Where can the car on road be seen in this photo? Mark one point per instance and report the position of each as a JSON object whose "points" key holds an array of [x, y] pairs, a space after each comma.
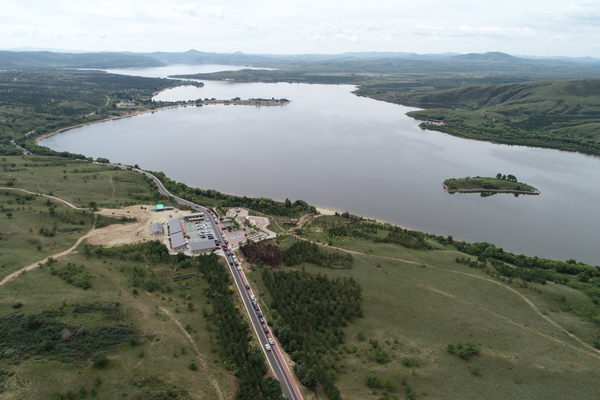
{"points": [[247, 287], [265, 329], [271, 341], [267, 347], [239, 268], [252, 297], [262, 321], [259, 314]]}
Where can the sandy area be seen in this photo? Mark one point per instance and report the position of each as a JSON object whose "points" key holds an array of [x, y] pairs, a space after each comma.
{"points": [[116, 235]]}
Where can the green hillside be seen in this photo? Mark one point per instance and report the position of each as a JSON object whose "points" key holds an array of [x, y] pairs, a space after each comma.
{"points": [[556, 114], [46, 60]]}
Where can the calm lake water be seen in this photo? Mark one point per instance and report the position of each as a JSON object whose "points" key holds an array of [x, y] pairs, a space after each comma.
{"points": [[331, 148]]}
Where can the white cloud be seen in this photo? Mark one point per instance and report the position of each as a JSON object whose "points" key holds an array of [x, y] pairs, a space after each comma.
{"points": [[197, 10]]}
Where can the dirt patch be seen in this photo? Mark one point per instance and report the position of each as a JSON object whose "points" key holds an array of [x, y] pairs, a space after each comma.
{"points": [[128, 233]]}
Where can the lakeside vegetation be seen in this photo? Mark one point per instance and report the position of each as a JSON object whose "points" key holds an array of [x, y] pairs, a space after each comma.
{"points": [[554, 114], [498, 183], [35, 103]]}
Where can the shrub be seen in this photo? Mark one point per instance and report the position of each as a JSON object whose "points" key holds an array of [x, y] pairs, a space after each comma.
{"points": [[17, 304], [410, 362], [475, 370], [99, 359], [193, 365], [468, 350], [373, 380]]}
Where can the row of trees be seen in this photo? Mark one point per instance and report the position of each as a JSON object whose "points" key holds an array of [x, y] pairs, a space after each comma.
{"points": [[309, 311], [264, 252], [247, 362], [488, 250], [215, 198], [303, 251]]}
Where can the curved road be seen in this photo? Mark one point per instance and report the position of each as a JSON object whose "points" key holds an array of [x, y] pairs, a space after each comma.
{"points": [[274, 356]]}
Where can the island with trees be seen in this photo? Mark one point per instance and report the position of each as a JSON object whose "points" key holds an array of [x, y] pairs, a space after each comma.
{"points": [[488, 185]]}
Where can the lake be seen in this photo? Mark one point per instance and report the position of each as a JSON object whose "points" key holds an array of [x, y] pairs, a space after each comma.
{"points": [[332, 148]]}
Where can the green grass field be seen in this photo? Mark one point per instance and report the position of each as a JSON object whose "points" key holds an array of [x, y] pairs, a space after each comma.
{"points": [[78, 183], [416, 307], [159, 363]]}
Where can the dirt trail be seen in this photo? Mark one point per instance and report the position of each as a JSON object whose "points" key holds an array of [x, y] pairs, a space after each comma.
{"points": [[185, 333], [113, 187], [528, 328], [111, 235], [45, 195], [595, 353], [54, 256]]}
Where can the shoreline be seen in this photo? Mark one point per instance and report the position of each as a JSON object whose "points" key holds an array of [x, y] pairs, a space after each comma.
{"points": [[141, 112], [331, 211]]}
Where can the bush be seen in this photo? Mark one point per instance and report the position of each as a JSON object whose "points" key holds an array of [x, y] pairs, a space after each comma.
{"points": [[410, 362], [17, 304], [193, 365], [467, 350], [373, 380], [99, 359], [475, 370]]}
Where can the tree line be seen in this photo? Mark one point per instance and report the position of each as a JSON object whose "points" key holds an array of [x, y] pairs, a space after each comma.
{"points": [[215, 198], [264, 252], [247, 362], [308, 313], [304, 251]]}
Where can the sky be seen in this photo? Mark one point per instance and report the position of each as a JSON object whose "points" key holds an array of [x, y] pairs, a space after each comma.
{"points": [[518, 27]]}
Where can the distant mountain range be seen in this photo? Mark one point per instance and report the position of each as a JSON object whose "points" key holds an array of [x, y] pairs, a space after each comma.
{"points": [[355, 62]]}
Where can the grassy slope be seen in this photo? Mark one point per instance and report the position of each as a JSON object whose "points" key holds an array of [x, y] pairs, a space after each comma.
{"points": [[426, 308], [39, 291], [45, 175], [558, 114], [49, 100]]}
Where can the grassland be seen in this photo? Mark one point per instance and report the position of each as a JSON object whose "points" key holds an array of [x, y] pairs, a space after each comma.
{"points": [[157, 364], [46, 221], [554, 114], [417, 302]]}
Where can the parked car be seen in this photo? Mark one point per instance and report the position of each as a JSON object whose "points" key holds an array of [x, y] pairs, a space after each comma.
{"points": [[247, 287], [271, 341]]}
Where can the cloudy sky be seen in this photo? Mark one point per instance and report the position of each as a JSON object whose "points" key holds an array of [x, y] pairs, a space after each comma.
{"points": [[532, 27]]}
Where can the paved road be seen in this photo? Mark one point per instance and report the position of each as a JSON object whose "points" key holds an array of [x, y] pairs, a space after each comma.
{"points": [[274, 356]]}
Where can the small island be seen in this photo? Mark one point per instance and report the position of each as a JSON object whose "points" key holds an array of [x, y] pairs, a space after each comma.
{"points": [[489, 186]]}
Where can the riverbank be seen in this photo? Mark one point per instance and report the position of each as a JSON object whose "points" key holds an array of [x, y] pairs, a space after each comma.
{"points": [[134, 113]]}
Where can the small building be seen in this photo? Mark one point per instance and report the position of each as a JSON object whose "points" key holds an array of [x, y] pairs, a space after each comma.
{"points": [[160, 207], [194, 217], [178, 241], [200, 247], [174, 226], [157, 229]]}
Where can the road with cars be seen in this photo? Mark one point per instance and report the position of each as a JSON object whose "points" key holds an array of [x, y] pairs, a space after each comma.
{"points": [[265, 337]]}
